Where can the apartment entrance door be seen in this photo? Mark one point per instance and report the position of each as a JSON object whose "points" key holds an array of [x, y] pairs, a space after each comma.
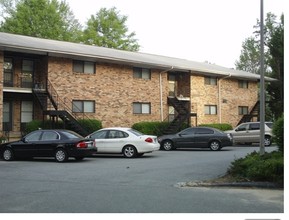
{"points": [[173, 85]]}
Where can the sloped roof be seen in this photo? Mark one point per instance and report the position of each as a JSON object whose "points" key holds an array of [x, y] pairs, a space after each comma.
{"points": [[20, 43]]}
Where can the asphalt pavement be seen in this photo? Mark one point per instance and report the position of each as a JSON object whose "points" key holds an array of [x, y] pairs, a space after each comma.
{"points": [[150, 184]]}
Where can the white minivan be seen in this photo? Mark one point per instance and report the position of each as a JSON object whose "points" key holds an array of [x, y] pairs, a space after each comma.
{"points": [[249, 132]]}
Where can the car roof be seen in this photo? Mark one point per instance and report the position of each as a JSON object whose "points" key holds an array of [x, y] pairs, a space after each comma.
{"points": [[116, 128], [251, 122]]}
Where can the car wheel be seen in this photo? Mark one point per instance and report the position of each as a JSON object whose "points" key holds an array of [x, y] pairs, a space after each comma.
{"points": [[61, 155], [215, 145], [79, 158], [167, 145], [8, 154], [267, 141], [129, 151]]}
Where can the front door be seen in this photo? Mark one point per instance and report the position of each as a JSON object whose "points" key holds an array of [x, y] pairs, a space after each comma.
{"points": [[173, 84], [27, 74]]}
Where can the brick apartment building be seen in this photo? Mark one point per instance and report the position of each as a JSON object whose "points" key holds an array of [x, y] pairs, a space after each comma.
{"points": [[43, 79]]}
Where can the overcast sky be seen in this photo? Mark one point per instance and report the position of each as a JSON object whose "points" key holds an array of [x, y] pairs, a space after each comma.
{"points": [[198, 30]]}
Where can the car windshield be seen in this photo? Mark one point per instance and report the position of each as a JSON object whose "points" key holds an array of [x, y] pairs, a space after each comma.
{"points": [[269, 124], [135, 132], [71, 134]]}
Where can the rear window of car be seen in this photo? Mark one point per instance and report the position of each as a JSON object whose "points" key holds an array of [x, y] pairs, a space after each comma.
{"points": [[135, 132], [71, 134]]}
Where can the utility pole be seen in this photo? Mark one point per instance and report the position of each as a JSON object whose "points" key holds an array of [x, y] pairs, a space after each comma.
{"points": [[262, 82]]}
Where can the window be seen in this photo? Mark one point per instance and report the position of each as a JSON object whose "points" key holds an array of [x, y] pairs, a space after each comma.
{"points": [[26, 111], [141, 73], [243, 110], [210, 109], [49, 136], [210, 80], [8, 72], [117, 134], [204, 131], [35, 136], [243, 84], [99, 135], [7, 116], [83, 106], [254, 126], [83, 67], [141, 108]]}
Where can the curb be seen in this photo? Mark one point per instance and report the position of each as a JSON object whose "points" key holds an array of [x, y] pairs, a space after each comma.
{"points": [[264, 185]]}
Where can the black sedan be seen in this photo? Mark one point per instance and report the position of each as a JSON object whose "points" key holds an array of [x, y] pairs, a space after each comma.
{"points": [[196, 137], [60, 144]]}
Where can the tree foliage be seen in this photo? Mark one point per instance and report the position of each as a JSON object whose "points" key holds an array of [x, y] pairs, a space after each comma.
{"points": [[40, 18], [108, 29], [53, 19], [249, 60]]}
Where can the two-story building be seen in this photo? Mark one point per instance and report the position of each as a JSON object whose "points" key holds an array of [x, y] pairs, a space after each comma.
{"points": [[43, 78]]}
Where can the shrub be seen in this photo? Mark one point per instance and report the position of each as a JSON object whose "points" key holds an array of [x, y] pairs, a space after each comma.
{"points": [[220, 126], [152, 128], [268, 167], [278, 131], [90, 125]]}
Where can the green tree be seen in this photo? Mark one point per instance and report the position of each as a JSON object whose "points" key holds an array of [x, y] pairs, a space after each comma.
{"points": [[276, 62], [249, 60], [40, 18], [108, 29]]}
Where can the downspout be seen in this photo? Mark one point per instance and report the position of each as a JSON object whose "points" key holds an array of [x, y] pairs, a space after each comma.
{"points": [[220, 97], [161, 92]]}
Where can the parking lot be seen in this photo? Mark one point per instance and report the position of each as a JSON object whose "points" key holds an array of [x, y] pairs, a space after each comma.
{"points": [[114, 184]]}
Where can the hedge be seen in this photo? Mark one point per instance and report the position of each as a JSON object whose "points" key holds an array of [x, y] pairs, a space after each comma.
{"points": [[220, 126]]}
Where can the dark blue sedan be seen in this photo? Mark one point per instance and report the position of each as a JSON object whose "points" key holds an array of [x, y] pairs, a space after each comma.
{"points": [[196, 137]]}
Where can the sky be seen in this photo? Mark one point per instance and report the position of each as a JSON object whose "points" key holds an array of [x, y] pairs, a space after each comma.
{"points": [[199, 30]]}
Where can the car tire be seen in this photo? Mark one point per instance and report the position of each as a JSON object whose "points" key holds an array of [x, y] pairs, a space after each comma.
{"points": [[267, 141], [79, 158], [61, 155], [8, 155], [129, 151], [167, 145], [140, 154], [215, 145]]}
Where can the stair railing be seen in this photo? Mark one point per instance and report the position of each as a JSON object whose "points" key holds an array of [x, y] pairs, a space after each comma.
{"points": [[58, 104]]}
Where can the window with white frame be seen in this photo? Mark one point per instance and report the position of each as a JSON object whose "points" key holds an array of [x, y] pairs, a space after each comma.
{"points": [[243, 84], [83, 67], [141, 108], [210, 109], [83, 106], [210, 80], [243, 110], [141, 73]]}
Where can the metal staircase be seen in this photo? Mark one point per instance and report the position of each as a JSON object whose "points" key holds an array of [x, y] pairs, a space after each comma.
{"points": [[55, 108], [183, 114], [254, 113]]}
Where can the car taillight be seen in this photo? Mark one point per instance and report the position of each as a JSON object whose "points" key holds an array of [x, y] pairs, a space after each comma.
{"points": [[149, 140], [81, 145]]}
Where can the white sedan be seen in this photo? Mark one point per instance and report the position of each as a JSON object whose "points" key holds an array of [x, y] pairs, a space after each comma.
{"points": [[126, 141]]}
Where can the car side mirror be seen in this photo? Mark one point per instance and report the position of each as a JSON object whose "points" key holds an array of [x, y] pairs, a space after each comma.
{"points": [[24, 140]]}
